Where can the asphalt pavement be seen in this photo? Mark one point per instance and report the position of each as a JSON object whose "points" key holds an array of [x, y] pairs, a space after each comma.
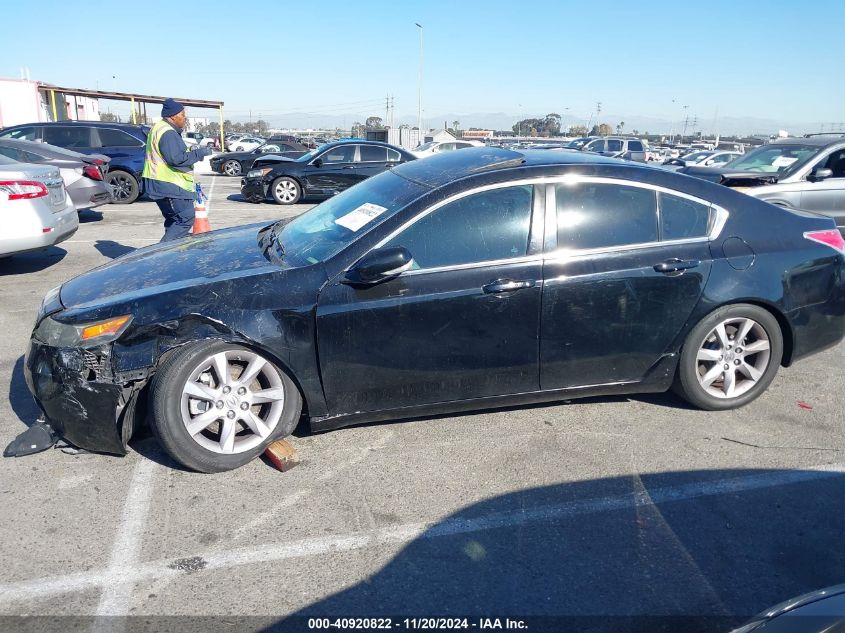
{"points": [[615, 510]]}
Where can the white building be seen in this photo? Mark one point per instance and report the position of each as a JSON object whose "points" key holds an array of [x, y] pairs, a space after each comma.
{"points": [[26, 101]]}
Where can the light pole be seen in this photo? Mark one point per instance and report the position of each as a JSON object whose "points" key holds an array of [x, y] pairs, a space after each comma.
{"points": [[419, 87]]}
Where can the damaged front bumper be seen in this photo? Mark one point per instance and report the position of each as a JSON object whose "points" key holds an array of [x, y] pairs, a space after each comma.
{"points": [[80, 396]]}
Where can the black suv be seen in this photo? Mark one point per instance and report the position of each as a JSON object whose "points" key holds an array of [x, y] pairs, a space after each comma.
{"points": [[798, 173], [123, 143]]}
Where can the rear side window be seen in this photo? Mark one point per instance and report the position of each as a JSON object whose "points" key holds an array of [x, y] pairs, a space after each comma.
{"points": [[12, 153], [682, 218], [373, 153], [71, 137], [22, 133], [393, 156], [117, 138], [603, 215], [635, 146], [614, 145], [486, 226]]}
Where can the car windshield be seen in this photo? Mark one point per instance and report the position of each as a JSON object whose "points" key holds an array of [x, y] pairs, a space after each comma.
{"points": [[325, 230], [425, 146], [782, 159], [578, 143], [306, 157]]}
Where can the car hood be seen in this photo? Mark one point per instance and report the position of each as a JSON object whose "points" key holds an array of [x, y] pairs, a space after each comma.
{"points": [[224, 254], [730, 177]]}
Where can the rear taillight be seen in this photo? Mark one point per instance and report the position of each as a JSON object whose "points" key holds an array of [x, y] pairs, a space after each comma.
{"points": [[22, 189], [829, 237], [98, 161], [92, 172]]}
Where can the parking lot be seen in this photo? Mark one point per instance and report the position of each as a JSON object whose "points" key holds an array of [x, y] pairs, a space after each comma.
{"points": [[611, 507]]}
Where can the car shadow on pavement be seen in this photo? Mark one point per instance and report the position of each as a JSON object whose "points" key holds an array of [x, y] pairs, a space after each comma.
{"points": [[31, 262], [89, 215], [112, 249], [674, 551], [22, 402]]}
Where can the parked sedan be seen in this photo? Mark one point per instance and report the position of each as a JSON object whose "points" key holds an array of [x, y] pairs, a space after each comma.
{"points": [[475, 279], [436, 147], [35, 207], [704, 158], [246, 144], [238, 163], [83, 174], [323, 172]]}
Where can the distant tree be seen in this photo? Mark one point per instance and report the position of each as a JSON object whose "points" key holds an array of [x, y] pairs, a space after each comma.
{"points": [[578, 130], [358, 130], [601, 130], [635, 132], [404, 126], [374, 122], [551, 124], [109, 117], [620, 127]]}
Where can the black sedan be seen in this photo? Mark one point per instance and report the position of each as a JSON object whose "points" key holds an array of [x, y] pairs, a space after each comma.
{"points": [[321, 173], [237, 163], [474, 279]]}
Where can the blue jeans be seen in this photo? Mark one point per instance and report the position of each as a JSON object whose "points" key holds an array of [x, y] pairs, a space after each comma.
{"points": [[178, 217]]}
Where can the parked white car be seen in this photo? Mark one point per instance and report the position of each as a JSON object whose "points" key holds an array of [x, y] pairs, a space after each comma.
{"points": [[36, 208], [703, 158], [247, 144], [436, 147]]}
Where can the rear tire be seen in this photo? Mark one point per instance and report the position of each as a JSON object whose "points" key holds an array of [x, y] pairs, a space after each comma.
{"points": [[125, 189], [729, 358], [217, 406]]}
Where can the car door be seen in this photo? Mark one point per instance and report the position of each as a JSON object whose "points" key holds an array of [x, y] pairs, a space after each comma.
{"points": [[620, 279], [375, 159], [332, 171], [122, 148], [462, 324], [828, 196]]}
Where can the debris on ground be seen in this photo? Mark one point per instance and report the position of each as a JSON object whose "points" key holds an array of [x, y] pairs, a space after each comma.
{"points": [[282, 455], [39, 437], [804, 405]]}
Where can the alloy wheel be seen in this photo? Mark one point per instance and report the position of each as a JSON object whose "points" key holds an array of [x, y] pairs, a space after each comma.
{"points": [[121, 187], [232, 401], [232, 168], [733, 357], [286, 191]]}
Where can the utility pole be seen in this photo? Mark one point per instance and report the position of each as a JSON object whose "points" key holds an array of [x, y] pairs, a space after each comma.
{"points": [[419, 87]]}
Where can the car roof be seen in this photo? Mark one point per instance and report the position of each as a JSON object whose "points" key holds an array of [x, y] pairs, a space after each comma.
{"points": [[103, 124], [821, 141], [441, 169], [42, 149]]}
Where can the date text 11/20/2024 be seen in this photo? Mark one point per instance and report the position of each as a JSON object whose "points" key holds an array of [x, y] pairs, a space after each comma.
{"points": [[431, 624]]}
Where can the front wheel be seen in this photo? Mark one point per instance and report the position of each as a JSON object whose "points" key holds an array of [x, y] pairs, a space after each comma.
{"points": [[730, 357], [217, 406], [124, 187], [285, 190], [232, 168]]}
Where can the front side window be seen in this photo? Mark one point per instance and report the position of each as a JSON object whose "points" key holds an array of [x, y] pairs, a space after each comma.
{"points": [[595, 146], [485, 226], [836, 163], [117, 138], [22, 134], [635, 146], [373, 154], [603, 215], [682, 218], [339, 154], [70, 137]]}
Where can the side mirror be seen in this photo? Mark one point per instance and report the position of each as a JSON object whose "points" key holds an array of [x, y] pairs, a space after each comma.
{"points": [[379, 265], [318, 162], [820, 173]]}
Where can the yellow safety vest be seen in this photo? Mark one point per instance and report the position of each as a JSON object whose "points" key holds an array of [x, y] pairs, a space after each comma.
{"points": [[156, 168]]}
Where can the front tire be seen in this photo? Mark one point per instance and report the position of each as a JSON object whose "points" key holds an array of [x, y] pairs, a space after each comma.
{"points": [[124, 186], [232, 168], [216, 406], [285, 190], [730, 357]]}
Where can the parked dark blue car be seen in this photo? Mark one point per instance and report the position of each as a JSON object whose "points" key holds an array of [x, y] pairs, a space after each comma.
{"points": [[122, 142]]}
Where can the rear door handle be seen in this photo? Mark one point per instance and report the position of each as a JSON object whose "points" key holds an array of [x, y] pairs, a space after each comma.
{"points": [[507, 285], [676, 265]]}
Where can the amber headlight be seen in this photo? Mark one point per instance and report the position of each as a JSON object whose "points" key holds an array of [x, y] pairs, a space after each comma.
{"points": [[57, 334]]}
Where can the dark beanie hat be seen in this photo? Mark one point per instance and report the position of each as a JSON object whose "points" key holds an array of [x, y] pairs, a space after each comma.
{"points": [[171, 107]]}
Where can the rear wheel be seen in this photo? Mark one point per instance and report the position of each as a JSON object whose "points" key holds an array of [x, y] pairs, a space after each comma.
{"points": [[730, 357], [232, 168], [285, 190], [124, 186], [217, 406]]}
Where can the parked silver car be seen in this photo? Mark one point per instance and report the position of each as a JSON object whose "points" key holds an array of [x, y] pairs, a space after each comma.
{"points": [[619, 147], [36, 209], [84, 174], [798, 173]]}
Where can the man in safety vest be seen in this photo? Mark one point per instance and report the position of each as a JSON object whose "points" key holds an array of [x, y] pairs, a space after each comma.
{"points": [[169, 171]]}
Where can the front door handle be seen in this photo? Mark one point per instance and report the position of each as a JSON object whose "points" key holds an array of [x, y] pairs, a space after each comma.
{"points": [[676, 265], [507, 285]]}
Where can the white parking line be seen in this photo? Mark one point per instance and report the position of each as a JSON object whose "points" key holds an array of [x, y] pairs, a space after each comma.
{"points": [[126, 550], [126, 571]]}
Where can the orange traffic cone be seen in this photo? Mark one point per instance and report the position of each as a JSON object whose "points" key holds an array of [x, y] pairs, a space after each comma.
{"points": [[201, 224]]}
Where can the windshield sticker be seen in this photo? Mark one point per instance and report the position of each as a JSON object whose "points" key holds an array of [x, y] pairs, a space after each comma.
{"points": [[783, 161], [359, 217]]}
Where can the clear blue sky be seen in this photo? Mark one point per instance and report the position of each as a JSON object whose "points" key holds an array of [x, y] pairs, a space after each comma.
{"points": [[775, 60]]}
